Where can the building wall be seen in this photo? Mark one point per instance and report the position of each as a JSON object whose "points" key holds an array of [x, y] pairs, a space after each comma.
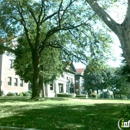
{"points": [[7, 72], [60, 85], [63, 82], [78, 84]]}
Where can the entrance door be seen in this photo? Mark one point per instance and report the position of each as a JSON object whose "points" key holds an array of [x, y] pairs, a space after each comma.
{"points": [[60, 88]]}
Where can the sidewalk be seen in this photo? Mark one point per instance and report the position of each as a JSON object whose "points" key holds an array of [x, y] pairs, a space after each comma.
{"points": [[15, 128]]}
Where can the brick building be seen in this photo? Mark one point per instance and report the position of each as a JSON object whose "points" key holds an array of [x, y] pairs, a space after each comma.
{"points": [[79, 81], [9, 81]]}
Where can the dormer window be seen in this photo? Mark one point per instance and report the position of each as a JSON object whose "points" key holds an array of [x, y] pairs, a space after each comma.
{"points": [[10, 63], [15, 82]]}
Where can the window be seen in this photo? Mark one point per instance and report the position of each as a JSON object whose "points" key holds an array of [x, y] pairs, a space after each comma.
{"points": [[68, 80], [9, 80], [10, 63], [15, 82], [77, 80], [21, 83], [51, 87], [30, 86]]}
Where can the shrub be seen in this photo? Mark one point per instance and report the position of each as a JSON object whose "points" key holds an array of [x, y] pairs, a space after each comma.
{"points": [[65, 95], [121, 97], [20, 94], [11, 94], [128, 97], [81, 96], [1, 93], [26, 93], [106, 95], [93, 95]]}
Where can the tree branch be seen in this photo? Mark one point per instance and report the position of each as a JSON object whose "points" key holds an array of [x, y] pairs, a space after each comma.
{"points": [[103, 15], [23, 22], [64, 10], [48, 17], [126, 20], [55, 44], [31, 12], [59, 12], [42, 9]]}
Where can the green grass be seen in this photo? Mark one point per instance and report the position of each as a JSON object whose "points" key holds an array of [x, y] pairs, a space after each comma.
{"points": [[61, 113]]}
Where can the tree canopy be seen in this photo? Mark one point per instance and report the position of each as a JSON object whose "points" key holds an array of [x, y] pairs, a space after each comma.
{"points": [[51, 62], [46, 25]]}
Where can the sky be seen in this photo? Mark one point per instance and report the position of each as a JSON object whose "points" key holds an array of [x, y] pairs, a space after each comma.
{"points": [[117, 12]]}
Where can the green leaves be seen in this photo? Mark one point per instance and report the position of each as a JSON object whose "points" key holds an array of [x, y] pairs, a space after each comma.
{"points": [[97, 75], [50, 62]]}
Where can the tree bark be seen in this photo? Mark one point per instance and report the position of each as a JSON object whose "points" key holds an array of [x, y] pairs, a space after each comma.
{"points": [[35, 82], [41, 85], [121, 30]]}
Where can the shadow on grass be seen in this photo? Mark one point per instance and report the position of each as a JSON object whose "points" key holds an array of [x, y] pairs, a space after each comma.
{"points": [[14, 99], [27, 99], [67, 117]]}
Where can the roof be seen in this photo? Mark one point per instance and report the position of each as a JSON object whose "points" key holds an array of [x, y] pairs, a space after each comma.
{"points": [[80, 70], [69, 67]]}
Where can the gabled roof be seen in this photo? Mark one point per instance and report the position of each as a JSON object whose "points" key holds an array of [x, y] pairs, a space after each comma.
{"points": [[80, 70], [69, 67]]}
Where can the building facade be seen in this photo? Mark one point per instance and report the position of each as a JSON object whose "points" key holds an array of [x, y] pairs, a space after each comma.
{"points": [[70, 81], [9, 81], [63, 84], [79, 88]]}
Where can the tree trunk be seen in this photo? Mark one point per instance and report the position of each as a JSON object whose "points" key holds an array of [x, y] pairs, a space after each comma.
{"points": [[41, 86], [35, 82], [124, 37]]}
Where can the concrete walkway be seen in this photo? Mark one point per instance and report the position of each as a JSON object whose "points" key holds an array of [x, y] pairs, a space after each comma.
{"points": [[16, 128]]}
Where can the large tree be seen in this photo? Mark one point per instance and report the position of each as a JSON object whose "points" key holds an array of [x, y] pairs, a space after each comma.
{"points": [[121, 30], [44, 24], [51, 64]]}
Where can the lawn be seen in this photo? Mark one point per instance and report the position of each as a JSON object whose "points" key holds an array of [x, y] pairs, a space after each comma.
{"points": [[61, 113]]}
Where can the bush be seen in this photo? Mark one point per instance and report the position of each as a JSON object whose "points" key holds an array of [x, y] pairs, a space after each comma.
{"points": [[65, 95], [11, 94], [1, 93], [106, 95], [81, 96], [123, 97], [120, 97], [20, 94], [128, 97], [93, 95], [28, 93]]}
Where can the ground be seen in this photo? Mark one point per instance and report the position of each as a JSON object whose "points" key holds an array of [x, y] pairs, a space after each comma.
{"points": [[61, 113]]}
